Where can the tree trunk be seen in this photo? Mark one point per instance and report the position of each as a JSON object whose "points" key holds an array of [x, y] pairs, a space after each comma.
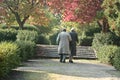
{"points": [[21, 25], [104, 25], [18, 19]]}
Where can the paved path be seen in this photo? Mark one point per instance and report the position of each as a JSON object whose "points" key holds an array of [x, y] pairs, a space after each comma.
{"points": [[52, 69]]}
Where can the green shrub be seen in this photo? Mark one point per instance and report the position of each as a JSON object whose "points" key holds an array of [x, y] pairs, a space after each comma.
{"points": [[92, 31], [26, 35], [31, 28], [42, 40], [116, 39], [86, 41], [11, 27], [8, 34], [26, 49], [116, 59], [53, 38], [87, 33], [16, 27], [106, 53], [101, 39], [9, 58]]}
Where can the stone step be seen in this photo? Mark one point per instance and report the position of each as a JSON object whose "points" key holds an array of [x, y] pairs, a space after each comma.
{"points": [[50, 51]]}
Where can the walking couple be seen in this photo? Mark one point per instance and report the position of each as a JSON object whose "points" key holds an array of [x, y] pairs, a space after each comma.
{"points": [[67, 44]]}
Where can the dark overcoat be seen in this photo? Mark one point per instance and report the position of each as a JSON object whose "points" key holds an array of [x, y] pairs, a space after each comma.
{"points": [[73, 43]]}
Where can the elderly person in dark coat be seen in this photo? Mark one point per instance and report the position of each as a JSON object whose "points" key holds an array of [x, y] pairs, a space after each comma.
{"points": [[63, 39], [73, 43]]}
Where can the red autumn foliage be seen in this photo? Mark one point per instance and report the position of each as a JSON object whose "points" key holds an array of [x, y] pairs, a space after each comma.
{"points": [[82, 11], [1, 0]]}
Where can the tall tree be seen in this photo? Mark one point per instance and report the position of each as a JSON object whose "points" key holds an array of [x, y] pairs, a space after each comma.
{"points": [[22, 10], [111, 10], [82, 11]]}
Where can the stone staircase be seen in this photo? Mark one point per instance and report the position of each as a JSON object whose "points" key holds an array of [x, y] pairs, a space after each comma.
{"points": [[50, 51]]}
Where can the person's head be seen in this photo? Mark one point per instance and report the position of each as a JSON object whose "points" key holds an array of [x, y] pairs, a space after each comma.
{"points": [[72, 29], [64, 29]]}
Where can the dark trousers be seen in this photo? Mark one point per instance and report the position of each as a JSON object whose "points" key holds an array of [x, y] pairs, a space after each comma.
{"points": [[62, 57]]}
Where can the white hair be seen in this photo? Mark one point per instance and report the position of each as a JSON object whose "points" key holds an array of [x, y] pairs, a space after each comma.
{"points": [[72, 29]]}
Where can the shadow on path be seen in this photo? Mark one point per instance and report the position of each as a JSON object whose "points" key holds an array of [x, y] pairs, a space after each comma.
{"points": [[40, 69]]}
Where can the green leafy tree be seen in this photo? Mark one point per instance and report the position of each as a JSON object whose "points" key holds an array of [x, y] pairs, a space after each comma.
{"points": [[112, 12], [22, 11], [81, 11]]}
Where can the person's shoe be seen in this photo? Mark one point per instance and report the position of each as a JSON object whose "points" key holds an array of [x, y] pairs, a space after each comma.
{"points": [[60, 61], [64, 61], [70, 61]]}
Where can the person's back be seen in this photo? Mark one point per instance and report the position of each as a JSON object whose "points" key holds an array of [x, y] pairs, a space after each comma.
{"points": [[74, 37], [63, 40]]}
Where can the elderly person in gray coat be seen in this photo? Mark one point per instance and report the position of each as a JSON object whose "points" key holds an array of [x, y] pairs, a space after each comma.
{"points": [[63, 39], [73, 43]]}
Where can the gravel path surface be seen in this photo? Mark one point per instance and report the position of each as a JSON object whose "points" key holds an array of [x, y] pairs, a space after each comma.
{"points": [[52, 69]]}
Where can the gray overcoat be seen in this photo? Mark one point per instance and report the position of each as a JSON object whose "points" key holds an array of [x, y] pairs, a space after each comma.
{"points": [[63, 39]]}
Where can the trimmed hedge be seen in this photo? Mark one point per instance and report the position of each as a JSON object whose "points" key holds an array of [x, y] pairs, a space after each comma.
{"points": [[92, 31], [26, 35], [105, 39], [103, 44], [106, 53], [43, 40], [106, 46], [53, 39], [109, 54], [116, 59], [8, 34], [12, 53], [86, 41], [87, 34], [26, 27], [9, 58], [26, 49]]}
